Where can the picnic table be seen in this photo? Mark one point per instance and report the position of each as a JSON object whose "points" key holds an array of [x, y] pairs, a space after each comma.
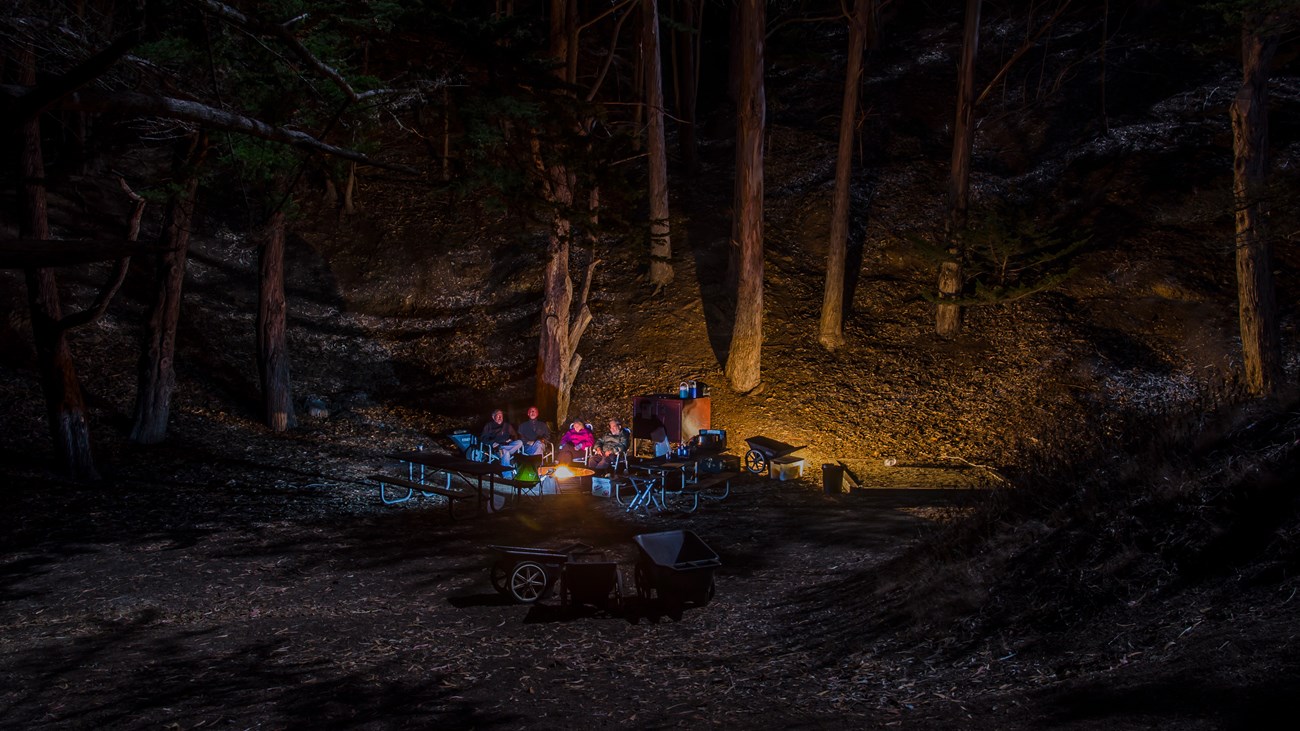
{"points": [[482, 476], [668, 482]]}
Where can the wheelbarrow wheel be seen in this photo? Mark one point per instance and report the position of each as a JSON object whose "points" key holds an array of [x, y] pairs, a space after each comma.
{"points": [[755, 462], [528, 582]]}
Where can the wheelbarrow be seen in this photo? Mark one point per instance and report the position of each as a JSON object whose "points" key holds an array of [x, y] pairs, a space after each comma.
{"points": [[677, 566], [527, 575], [763, 450]]}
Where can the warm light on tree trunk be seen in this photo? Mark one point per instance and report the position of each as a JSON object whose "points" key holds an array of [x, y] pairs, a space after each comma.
{"points": [[1260, 342], [661, 247], [745, 355], [947, 317], [831, 329]]}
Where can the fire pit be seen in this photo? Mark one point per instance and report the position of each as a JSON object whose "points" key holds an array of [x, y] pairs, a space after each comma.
{"points": [[566, 478]]}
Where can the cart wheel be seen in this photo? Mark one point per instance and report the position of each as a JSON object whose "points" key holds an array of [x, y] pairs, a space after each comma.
{"points": [[498, 576], [528, 582], [755, 462]]}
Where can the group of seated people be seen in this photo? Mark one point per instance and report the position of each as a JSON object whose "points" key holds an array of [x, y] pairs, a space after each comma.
{"points": [[532, 436]]}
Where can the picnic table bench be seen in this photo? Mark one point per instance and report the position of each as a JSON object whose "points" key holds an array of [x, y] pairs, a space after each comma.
{"points": [[481, 477], [453, 494]]}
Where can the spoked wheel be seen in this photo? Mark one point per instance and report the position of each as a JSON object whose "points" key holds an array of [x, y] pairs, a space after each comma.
{"points": [[755, 461], [528, 582]]}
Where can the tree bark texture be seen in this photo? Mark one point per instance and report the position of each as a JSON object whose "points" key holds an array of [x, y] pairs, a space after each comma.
{"points": [[831, 329], [272, 342], [947, 318], [65, 407], [1257, 309], [661, 246], [557, 351], [744, 356], [558, 359], [156, 380], [687, 80]]}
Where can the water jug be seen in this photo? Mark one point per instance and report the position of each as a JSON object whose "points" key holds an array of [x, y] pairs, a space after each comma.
{"points": [[684, 390], [694, 389]]}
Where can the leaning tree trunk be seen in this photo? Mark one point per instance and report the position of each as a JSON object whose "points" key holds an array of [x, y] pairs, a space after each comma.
{"points": [[831, 330], [744, 356], [947, 317], [661, 247], [65, 407], [1260, 343], [272, 315], [157, 370]]}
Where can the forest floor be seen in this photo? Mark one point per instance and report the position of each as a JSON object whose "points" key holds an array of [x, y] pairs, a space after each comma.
{"points": [[236, 578]]}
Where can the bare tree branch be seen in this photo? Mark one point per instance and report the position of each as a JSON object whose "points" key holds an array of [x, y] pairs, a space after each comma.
{"points": [[90, 100], [282, 33], [114, 282], [1024, 48], [39, 98]]}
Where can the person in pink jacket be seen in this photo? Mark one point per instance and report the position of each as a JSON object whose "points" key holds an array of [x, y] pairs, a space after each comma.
{"points": [[575, 442]]}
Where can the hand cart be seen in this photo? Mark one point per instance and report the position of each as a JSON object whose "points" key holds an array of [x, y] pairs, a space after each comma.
{"points": [[527, 575], [763, 451]]}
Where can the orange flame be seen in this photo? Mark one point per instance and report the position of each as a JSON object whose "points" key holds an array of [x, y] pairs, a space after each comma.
{"points": [[562, 472]]}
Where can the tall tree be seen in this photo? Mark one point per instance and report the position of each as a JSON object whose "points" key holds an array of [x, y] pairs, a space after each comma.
{"points": [[661, 247], [744, 357], [558, 359], [947, 318], [1260, 342], [272, 321], [831, 329], [156, 379], [65, 407]]}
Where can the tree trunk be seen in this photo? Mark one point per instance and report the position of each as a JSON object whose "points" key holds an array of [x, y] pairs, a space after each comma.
{"points": [[831, 330], [744, 355], [272, 345], [65, 407], [349, 191], [687, 80], [661, 247], [552, 354], [1260, 342], [557, 351], [947, 317], [446, 136], [157, 370]]}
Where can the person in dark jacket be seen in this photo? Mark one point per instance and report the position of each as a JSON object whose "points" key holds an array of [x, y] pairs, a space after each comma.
{"points": [[609, 446], [500, 436], [534, 433]]}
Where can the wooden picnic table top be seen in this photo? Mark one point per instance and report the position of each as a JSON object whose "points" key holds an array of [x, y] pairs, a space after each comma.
{"points": [[452, 464]]}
